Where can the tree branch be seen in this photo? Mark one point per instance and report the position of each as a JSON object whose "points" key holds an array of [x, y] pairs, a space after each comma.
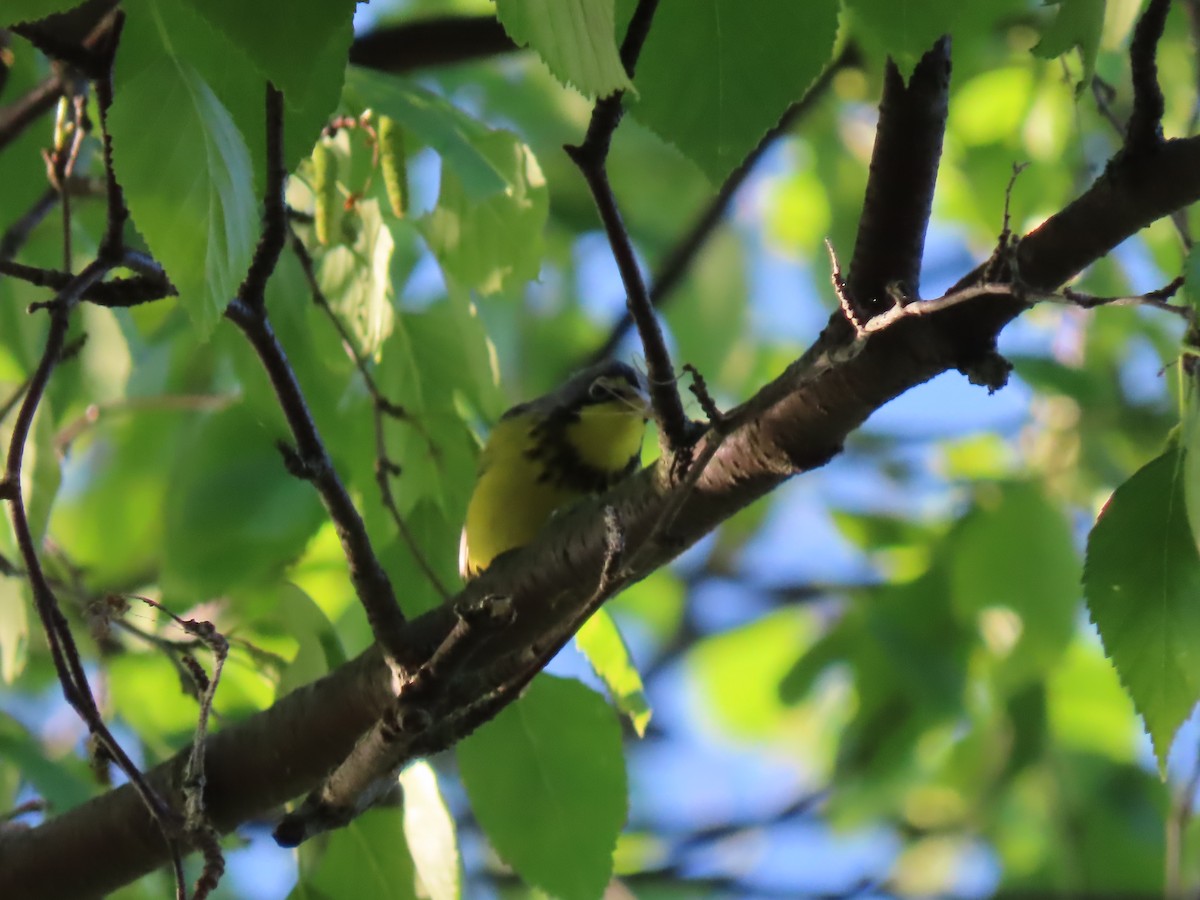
{"points": [[309, 459], [795, 423], [678, 260], [899, 195], [439, 41], [592, 157]]}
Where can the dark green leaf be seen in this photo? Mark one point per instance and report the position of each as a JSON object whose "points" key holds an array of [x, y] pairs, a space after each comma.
{"points": [[235, 515], [703, 59], [184, 165], [546, 780]]}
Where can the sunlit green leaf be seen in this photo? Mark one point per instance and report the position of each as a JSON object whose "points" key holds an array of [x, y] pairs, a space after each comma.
{"points": [[367, 858], [429, 830], [546, 780], [739, 672], [356, 282], [1141, 579], [600, 641], [494, 243], [14, 628], [575, 38], [450, 131]]}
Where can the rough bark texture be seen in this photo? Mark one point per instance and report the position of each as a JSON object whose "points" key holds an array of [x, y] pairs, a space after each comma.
{"points": [[793, 425]]}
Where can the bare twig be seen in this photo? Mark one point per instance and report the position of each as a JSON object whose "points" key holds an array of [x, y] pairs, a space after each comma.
{"points": [[309, 459], [18, 232], [679, 258], [591, 157], [196, 822], [63, 649], [385, 468], [22, 113], [1144, 133]]}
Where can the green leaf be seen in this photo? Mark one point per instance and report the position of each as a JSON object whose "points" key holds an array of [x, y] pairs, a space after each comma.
{"points": [[575, 38], [14, 628], [740, 671], [120, 502], [496, 243], [1191, 277], [704, 59], [301, 47], [147, 688], [903, 29], [15, 11], [1015, 574], [1087, 708], [320, 649], [600, 641], [1189, 433], [437, 122], [64, 783], [1079, 23], [184, 166], [429, 829], [356, 280], [367, 858], [283, 37], [546, 780], [1142, 578], [233, 513]]}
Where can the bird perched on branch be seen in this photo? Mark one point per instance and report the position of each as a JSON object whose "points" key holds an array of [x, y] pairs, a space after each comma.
{"points": [[579, 439]]}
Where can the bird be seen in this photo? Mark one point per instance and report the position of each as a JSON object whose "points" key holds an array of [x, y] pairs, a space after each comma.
{"points": [[580, 439]]}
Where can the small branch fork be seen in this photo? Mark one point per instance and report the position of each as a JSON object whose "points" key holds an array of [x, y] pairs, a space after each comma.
{"points": [[308, 458], [678, 260], [63, 650], [591, 158], [196, 822]]}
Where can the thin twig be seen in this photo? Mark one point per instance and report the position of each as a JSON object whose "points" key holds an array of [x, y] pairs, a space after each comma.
{"points": [[309, 459], [591, 157], [63, 649], [381, 407], [18, 232], [196, 822], [676, 262], [36, 102]]}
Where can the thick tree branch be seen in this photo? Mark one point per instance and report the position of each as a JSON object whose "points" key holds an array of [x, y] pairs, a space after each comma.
{"points": [[793, 424], [904, 165]]}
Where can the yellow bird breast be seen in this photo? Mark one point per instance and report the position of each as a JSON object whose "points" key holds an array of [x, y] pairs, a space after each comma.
{"points": [[528, 470]]}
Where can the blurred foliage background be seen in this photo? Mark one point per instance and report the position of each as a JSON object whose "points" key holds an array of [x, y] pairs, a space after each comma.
{"points": [[880, 680]]}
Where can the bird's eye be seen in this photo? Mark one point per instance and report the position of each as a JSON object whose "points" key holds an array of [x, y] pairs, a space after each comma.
{"points": [[599, 390]]}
